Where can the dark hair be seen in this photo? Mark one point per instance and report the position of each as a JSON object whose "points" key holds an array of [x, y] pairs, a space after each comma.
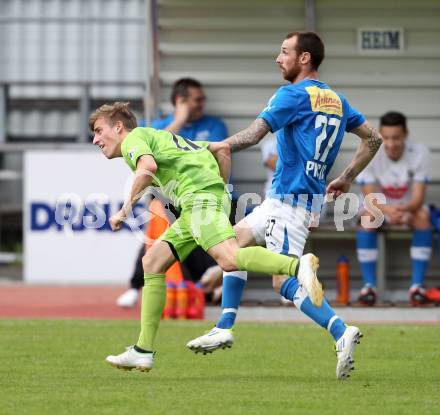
{"points": [[118, 111], [312, 43], [180, 87], [393, 118]]}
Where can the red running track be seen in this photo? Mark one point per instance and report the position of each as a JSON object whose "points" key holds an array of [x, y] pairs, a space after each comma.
{"points": [[42, 301]]}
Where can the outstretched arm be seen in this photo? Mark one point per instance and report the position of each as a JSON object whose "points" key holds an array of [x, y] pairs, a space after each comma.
{"points": [[145, 169], [371, 141], [249, 136]]}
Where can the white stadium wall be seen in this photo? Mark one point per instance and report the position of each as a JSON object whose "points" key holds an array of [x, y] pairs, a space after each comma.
{"points": [[408, 81], [54, 47]]}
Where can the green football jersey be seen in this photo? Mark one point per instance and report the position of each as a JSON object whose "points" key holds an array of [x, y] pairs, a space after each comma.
{"points": [[183, 166]]}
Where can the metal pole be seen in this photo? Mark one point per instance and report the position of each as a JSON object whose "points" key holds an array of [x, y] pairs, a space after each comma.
{"points": [[84, 112], [3, 113], [155, 61], [148, 41], [310, 9], [381, 267]]}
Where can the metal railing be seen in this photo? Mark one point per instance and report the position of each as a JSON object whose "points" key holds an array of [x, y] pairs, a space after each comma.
{"points": [[84, 100]]}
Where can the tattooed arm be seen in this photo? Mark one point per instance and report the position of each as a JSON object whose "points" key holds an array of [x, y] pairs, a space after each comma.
{"points": [[243, 139], [371, 140], [249, 136]]}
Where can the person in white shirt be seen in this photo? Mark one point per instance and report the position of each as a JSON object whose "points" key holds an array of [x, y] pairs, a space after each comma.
{"points": [[399, 171], [269, 155]]}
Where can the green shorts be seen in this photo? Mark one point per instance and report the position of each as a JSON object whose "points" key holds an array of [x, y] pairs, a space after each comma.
{"points": [[204, 221]]}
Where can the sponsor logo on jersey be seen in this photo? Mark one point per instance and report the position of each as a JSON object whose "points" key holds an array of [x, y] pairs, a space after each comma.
{"points": [[132, 152], [395, 192], [202, 135], [324, 100]]}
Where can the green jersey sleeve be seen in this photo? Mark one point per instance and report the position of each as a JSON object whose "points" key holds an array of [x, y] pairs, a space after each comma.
{"points": [[204, 144], [134, 146]]}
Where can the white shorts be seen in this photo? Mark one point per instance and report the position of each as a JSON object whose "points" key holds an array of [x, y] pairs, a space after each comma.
{"points": [[283, 228]]}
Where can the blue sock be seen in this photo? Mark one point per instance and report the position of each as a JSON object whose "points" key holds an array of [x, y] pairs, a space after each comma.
{"points": [[233, 287], [324, 315], [421, 247], [289, 288], [367, 256]]}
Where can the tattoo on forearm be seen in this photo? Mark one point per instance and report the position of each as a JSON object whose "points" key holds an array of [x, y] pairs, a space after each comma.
{"points": [[371, 142], [250, 136], [350, 174], [374, 140]]}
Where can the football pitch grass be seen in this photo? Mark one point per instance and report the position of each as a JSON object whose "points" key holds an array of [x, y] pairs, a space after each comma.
{"points": [[57, 367]]}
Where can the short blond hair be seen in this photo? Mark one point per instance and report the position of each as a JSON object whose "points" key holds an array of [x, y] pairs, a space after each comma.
{"points": [[118, 111]]}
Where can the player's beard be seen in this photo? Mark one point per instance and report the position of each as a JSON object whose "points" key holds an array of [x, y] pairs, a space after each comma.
{"points": [[293, 73]]}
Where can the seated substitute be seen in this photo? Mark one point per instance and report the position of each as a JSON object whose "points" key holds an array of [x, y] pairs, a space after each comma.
{"points": [[189, 119], [400, 172]]}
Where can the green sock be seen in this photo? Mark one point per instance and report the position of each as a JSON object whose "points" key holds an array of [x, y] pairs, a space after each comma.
{"points": [[259, 259], [153, 302]]}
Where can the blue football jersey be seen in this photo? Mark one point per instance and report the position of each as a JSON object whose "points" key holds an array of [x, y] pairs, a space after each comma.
{"points": [[206, 128], [309, 120]]}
